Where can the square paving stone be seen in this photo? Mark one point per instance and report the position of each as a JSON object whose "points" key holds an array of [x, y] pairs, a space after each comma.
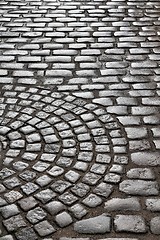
{"points": [[78, 211], [5, 172], [63, 219], [60, 186], [80, 189], [36, 215], [103, 189], [92, 201], [44, 228], [14, 223], [40, 166], [26, 234], [29, 188], [45, 195], [72, 176], [68, 198], [12, 182], [91, 178], [43, 180], [27, 203], [9, 210], [13, 196], [27, 175], [54, 207]]}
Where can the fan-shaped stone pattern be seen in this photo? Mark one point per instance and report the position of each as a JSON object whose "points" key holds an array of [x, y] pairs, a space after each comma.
{"points": [[62, 144]]}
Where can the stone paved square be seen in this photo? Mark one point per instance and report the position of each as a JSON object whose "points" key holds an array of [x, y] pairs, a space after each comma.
{"points": [[79, 119]]}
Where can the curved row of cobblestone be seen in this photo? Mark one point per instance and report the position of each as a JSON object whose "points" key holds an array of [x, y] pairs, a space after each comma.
{"points": [[79, 159], [60, 149], [63, 156]]}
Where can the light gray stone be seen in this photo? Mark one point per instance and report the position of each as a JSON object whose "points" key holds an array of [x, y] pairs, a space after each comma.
{"points": [[7, 237], [44, 228], [153, 204], [92, 200], [155, 225], [63, 219], [9, 210], [54, 207], [146, 158], [36, 215], [130, 223], [95, 225], [139, 187], [120, 204], [140, 173], [14, 223]]}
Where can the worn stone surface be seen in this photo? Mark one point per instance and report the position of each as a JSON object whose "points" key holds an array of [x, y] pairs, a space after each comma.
{"points": [[100, 224], [153, 204], [79, 118], [146, 158], [130, 223], [155, 225], [119, 204], [139, 187]]}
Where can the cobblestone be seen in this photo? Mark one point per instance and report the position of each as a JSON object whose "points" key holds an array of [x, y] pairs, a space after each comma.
{"points": [[63, 219], [130, 223], [79, 120], [155, 226], [100, 224], [139, 187], [119, 204]]}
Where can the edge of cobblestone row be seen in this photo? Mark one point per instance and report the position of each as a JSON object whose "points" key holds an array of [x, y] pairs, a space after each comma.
{"points": [[112, 238]]}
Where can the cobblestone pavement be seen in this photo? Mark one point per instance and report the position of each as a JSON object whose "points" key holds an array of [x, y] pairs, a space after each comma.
{"points": [[79, 120]]}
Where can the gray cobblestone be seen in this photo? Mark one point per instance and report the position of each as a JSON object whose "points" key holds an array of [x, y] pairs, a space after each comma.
{"points": [[100, 224], [146, 158], [140, 173], [26, 233], [119, 204], [44, 228], [130, 223], [79, 116], [155, 226], [14, 223], [139, 187], [63, 219], [9, 211]]}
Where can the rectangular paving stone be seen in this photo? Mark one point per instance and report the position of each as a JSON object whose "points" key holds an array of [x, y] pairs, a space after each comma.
{"points": [[130, 223], [144, 110], [139, 187], [29, 59], [59, 73], [57, 59], [7, 58], [14, 223], [27, 81]]}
